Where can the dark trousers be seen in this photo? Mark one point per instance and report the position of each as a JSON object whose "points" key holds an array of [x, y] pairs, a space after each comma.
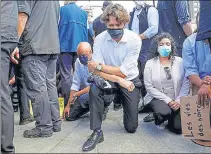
{"points": [[66, 63], [7, 113], [141, 66], [98, 101], [39, 73], [23, 99], [80, 107], [163, 112]]}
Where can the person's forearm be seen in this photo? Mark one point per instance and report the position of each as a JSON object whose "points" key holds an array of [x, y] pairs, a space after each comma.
{"points": [[22, 19], [72, 92], [112, 70], [83, 91], [187, 28], [195, 79], [142, 36], [109, 77]]}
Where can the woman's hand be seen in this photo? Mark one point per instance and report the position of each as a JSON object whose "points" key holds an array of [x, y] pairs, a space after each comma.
{"points": [[174, 105]]}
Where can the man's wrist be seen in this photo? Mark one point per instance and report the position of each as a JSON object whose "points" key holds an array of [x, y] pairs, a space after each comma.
{"points": [[99, 67]]}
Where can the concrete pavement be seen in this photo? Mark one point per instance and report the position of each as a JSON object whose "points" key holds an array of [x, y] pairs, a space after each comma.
{"points": [[147, 139]]}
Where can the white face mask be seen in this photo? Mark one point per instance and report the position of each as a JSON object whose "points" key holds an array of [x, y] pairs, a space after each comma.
{"points": [[139, 3]]}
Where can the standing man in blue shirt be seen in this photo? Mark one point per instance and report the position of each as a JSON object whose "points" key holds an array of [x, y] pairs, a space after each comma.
{"points": [[174, 18], [115, 53], [144, 21], [72, 31]]}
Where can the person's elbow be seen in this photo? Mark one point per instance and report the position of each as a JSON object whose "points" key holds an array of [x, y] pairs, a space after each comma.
{"points": [[152, 31]]}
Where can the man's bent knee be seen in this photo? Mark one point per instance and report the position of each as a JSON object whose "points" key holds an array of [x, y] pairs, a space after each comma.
{"points": [[130, 129]]}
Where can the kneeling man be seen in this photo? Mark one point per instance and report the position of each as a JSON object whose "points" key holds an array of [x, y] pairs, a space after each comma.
{"points": [[116, 52]]}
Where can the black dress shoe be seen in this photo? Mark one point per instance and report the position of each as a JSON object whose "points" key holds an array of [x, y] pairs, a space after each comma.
{"points": [[149, 118], [94, 139], [117, 107]]}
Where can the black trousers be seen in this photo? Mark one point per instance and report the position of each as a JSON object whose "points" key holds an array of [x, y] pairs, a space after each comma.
{"points": [[141, 66], [79, 108], [7, 113], [130, 100], [21, 92], [163, 112]]}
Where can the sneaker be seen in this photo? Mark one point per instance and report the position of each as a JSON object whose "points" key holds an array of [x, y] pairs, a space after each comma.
{"points": [[35, 133]]}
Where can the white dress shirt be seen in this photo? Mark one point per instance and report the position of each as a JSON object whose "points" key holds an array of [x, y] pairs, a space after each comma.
{"points": [[123, 54]]}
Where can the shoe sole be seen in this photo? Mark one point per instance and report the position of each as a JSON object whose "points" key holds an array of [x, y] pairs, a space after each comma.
{"points": [[38, 136], [100, 141], [56, 131]]}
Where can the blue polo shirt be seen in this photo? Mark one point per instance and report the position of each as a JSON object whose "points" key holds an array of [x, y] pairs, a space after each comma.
{"points": [[72, 27]]}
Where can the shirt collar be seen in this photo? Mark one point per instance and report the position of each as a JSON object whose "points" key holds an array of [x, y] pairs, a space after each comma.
{"points": [[124, 37]]}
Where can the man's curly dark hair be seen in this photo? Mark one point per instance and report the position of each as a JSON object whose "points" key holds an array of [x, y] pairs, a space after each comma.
{"points": [[117, 11]]}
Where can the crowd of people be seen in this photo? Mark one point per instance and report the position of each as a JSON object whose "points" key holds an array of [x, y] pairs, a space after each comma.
{"points": [[151, 55]]}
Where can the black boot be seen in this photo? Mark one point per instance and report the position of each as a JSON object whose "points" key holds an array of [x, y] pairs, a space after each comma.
{"points": [[94, 139], [26, 120], [35, 133]]}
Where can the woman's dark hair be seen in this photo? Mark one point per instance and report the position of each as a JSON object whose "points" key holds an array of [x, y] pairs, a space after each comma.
{"points": [[155, 44]]}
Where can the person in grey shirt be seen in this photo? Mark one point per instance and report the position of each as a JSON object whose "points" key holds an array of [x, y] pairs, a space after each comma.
{"points": [[9, 40], [39, 46], [115, 53]]}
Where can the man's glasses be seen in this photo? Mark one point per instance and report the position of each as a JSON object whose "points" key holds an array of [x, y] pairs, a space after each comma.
{"points": [[168, 73]]}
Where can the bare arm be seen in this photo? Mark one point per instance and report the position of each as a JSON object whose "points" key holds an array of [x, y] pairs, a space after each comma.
{"points": [[22, 19], [187, 28], [195, 79], [83, 91], [112, 70], [112, 78]]}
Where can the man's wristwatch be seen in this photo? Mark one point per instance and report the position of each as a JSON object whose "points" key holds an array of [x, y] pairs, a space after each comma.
{"points": [[99, 67]]}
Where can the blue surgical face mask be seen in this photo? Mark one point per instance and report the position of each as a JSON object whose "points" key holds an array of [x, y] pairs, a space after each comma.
{"points": [[116, 33], [83, 60], [164, 51]]}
